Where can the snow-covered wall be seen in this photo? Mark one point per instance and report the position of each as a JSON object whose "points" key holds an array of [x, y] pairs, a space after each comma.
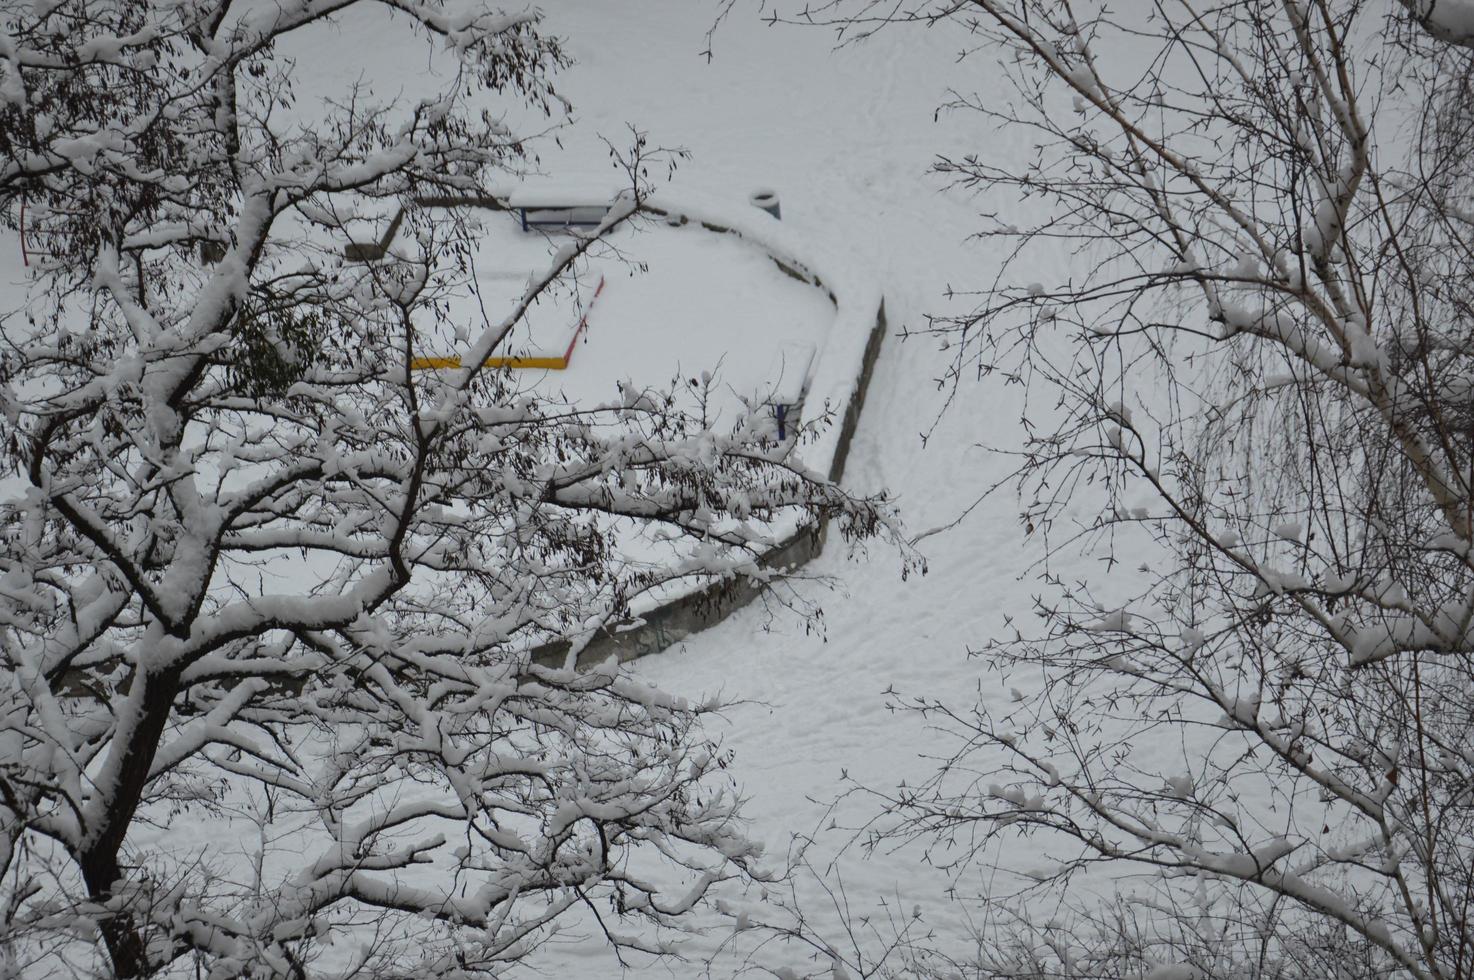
{"points": [[837, 386]]}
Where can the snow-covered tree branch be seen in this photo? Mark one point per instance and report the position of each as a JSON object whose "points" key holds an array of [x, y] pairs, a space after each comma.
{"points": [[262, 571], [1259, 368]]}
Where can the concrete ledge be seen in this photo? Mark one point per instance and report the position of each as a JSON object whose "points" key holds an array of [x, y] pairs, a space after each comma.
{"points": [[670, 623], [857, 403]]}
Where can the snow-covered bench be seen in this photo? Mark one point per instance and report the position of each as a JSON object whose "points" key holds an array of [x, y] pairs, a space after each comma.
{"points": [[561, 206]]}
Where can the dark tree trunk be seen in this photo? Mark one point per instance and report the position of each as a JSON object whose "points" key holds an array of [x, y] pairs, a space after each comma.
{"points": [[123, 932]]}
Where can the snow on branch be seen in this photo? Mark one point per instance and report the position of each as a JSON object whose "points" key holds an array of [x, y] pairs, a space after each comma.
{"points": [[267, 580]]}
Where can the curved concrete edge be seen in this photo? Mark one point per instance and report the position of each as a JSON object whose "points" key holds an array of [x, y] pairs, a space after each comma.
{"points": [[658, 629], [834, 384]]}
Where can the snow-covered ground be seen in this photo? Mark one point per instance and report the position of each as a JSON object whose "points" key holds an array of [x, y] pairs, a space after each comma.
{"points": [[845, 136]]}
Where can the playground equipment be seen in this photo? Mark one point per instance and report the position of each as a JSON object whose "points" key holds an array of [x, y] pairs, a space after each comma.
{"points": [[552, 360], [790, 374]]}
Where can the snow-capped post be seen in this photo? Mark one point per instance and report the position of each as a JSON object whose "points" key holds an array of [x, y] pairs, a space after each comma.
{"points": [[766, 199], [1252, 403], [267, 584]]}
